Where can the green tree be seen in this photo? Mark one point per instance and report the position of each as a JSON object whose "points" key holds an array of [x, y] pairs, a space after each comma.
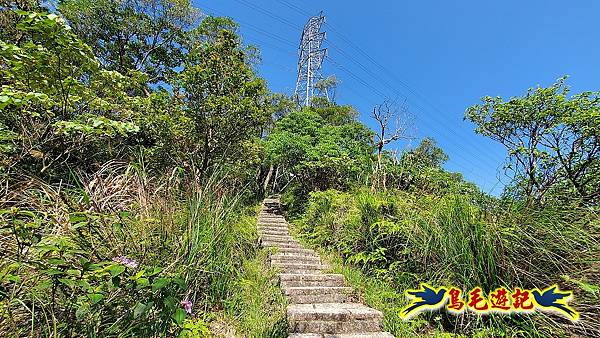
{"points": [[220, 94], [57, 102], [552, 140], [318, 148], [9, 18], [426, 155], [151, 36]]}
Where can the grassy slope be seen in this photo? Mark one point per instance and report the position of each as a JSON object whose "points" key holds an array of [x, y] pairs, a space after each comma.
{"points": [[391, 242], [190, 242]]}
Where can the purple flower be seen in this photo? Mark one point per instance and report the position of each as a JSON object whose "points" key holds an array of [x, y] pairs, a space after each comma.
{"points": [[126, 261], [187, 305]]}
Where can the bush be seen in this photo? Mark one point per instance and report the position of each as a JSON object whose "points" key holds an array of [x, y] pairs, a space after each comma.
{"points": [[408, 238], [117, 253]]}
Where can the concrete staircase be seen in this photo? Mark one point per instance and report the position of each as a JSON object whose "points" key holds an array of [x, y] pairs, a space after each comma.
{"points": [[321, 305]]}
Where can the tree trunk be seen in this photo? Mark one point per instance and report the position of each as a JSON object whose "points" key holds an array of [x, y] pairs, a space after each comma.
{"points": [[275, 179], [267, 179]]}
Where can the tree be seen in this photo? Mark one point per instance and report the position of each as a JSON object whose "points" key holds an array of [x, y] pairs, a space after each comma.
{"points": [[59, 106], [9, 18], [318, 148], [328, 86], [393, 124], [219, 92], [426, 155], [552, 140], [151, 36]]}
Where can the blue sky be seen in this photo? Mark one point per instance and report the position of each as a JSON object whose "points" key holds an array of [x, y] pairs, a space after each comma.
{"points": [[441, 56]]}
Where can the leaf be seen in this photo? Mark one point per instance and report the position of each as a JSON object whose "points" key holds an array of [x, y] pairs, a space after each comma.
{"points": [[159, 283], [179, 316], [155, 271], [68, 282], [82, 310], [139, 309], [53, 272], [77, 217], [95, 297], [142, 282], [56, 261], [180, 282], [84, 285], [137, 275], [116, 269]]}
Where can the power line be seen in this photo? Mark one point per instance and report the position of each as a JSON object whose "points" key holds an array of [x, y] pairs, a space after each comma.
{"points": [[357, 78], [258, 29], [364, 68], [361, 51], [268, 13], [391, 74], [294, 7]]}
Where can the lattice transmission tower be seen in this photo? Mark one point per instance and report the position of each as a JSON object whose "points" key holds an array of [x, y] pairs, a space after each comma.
{"points": [[310, 58]]}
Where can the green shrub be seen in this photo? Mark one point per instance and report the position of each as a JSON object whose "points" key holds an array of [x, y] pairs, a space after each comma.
{"points": [[118, 253], [450, 239]]}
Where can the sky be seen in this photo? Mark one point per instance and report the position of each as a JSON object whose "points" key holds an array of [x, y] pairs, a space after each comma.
{"points": [[439, 57]]}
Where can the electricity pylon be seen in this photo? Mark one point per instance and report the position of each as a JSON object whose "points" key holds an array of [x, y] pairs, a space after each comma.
{"points": [[310, 58]]}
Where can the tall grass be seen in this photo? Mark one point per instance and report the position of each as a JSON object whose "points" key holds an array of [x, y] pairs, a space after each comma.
{"points": [[402, 239], [57, 274], [258, 307]]}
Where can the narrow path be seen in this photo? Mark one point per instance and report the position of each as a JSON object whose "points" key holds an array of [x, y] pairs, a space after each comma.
{"points": [[320, 304]]}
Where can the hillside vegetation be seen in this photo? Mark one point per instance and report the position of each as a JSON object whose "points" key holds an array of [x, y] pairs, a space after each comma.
{"points": [[136, 140]]}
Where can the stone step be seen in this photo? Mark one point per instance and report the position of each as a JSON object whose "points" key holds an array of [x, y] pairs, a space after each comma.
{"points": [[316, 299], [293, 245], [291, 280], [317, 290], [274, 231], [359, 326], [307, 283], [300, 265], [281, 241], [342, 335], [296, 251], [290, 254], [304, 259], [332, 312], [302, 268], [318, 294], [278, 238], [273, 228], [262, 234], [300, 271], [272, 225]]}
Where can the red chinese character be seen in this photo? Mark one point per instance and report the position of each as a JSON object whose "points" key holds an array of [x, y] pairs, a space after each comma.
{"points": [[456, 303], [477, 301], [499, 299], [520, 299]]}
